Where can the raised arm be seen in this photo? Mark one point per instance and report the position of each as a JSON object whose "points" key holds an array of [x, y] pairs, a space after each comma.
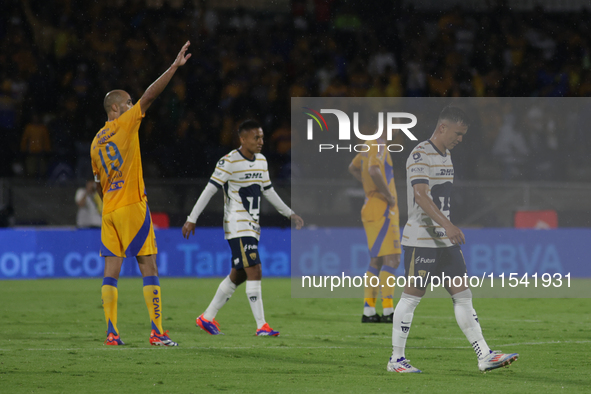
{"points": [[421, 196], [158, 86]]}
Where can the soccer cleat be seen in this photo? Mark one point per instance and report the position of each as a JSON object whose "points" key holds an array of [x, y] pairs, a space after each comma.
{"points": [[496, 360], [161, 340], [370, 319], [387, 318], [212, 327], [401, 365], [113, 340], [267, 331]]}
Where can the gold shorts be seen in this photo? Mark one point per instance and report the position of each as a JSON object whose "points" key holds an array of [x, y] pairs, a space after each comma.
{"points": [[128, 232], [382, 227]]}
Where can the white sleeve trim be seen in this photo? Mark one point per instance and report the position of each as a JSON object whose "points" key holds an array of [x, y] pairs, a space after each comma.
{"points": [[202, 202], [272, 196]]}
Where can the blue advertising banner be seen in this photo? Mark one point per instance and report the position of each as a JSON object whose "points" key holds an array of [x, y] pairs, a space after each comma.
{"points": [[334, 251], [38, 253]]}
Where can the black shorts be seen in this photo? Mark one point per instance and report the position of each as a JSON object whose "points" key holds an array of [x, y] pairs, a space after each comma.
{"points": [[245, 252], [429, 262]]}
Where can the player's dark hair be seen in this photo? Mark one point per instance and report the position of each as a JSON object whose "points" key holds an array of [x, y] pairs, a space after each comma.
{"points": [[454, 114], [248, 125]]}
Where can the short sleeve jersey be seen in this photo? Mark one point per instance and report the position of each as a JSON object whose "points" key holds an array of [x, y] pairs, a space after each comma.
{"points": [[380, 157], [243, 182], [116, 160], [427, 164]]}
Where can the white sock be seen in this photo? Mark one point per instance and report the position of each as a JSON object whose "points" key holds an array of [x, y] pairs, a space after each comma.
{"points": [[388, 311], [401, 323], [222, 295], [369, 310], [254, 294], [468, 322]]}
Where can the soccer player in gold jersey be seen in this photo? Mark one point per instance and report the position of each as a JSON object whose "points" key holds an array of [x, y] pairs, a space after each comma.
{"points": [[380, 219], [126, 228]]}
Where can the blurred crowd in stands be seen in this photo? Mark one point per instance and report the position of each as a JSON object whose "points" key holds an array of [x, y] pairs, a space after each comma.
{"points": [[58, 58]]}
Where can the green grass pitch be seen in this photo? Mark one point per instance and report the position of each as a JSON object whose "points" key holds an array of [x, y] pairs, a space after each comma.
{"points": [[53, 332]]}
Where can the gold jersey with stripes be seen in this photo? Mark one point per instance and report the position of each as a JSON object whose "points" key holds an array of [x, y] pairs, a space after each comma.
{"points": [[427, 164], [243, 181]]}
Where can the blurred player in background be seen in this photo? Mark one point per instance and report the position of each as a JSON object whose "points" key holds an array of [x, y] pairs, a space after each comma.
{"points": [[380, 219], [90, 206], [127, 225], [243, 176], [432, 243]]}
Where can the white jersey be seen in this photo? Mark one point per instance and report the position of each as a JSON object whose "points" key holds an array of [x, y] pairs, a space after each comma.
{"points": [[242, 181], [426, 164]]}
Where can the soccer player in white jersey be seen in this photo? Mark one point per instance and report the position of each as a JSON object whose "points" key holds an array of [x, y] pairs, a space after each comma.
{"points": [[431, 243], [243, 176]]}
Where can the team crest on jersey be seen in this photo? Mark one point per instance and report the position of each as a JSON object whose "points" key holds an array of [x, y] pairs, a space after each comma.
{"points": [[416, 156], [253, 256], [221, 162]]}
